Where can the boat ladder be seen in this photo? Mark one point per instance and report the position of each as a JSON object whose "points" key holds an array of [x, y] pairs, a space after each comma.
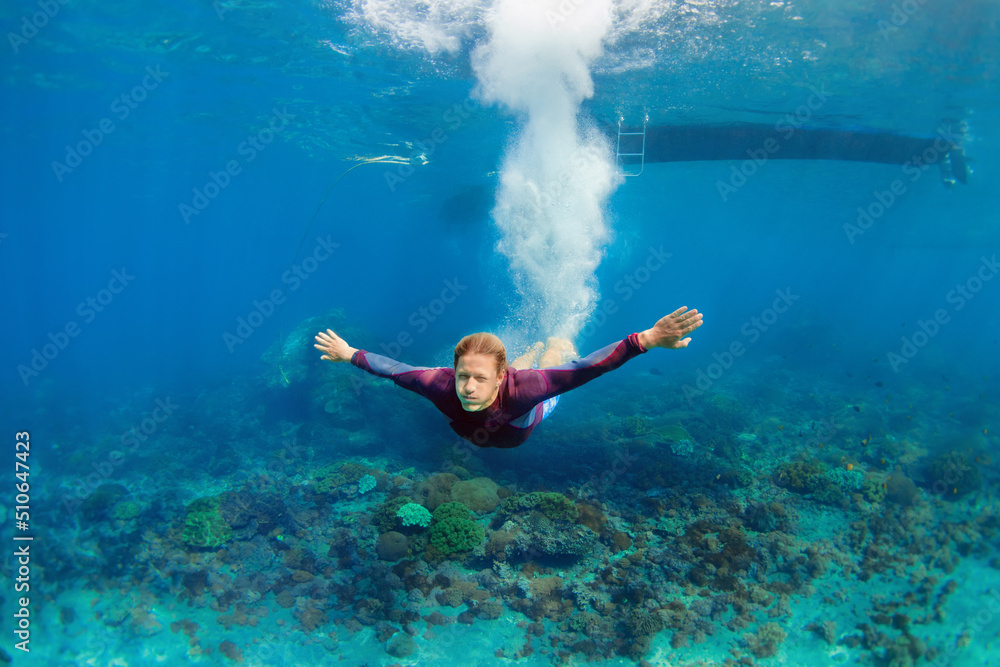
{"points": [[635, 147]]}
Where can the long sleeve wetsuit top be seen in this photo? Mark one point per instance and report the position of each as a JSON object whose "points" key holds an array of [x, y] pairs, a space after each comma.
{"points": [[517, 410]]}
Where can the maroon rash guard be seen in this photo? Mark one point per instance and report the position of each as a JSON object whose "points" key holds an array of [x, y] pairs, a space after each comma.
{"points": [[517, 409]]}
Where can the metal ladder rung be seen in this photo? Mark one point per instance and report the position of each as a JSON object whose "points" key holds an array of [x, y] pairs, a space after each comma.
{"points": [[641, 155]]}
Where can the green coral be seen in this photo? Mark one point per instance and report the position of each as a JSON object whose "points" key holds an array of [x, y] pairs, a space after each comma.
{"points": [[673, 433], [874, 489], [555, 506], [204, 525], [799, 476], [386, 518], [328, 478], [828, 492], [453, 534], [331, 476], [633, 426], [353, 472], [811, 477], [126, 510], [413, 514], [452, 510], [952, 476]]}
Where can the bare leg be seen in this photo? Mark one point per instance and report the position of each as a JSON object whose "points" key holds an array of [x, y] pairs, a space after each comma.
{"points": [[528, 359], [560, 351]]}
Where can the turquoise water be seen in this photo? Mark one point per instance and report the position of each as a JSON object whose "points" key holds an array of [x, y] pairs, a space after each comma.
{"points": [[192, 192]]}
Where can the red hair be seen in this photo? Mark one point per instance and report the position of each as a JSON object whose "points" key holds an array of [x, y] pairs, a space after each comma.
{"points": [[483, 343]]}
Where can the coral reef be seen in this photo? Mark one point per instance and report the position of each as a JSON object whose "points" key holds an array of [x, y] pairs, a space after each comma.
{"points": [[412, 514], [435, 490], [454, 534], [479, 494], [204, 525], [953, 475], [765, 642], [669, 524], [392, 546]]}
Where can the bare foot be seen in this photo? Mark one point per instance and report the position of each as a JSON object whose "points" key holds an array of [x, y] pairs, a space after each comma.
{"points": [[559, 352], [529, 358]]}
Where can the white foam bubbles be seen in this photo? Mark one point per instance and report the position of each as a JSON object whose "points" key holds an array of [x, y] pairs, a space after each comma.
{"points": [[433, 25], [535, 60], [556, 175]]}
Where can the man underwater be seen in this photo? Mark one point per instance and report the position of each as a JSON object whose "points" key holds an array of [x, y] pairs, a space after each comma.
{"points": [[493, 405]]}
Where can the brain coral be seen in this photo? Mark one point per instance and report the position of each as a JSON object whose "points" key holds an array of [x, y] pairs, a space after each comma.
{"points": [[435, 490], [479, 494], [392, 546]]}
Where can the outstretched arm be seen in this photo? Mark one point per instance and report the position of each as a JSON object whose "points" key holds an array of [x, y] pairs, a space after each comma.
{"points": [[429, 382], [670, 330]]}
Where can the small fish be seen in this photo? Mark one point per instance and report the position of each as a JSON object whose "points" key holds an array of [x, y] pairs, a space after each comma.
{"points": [[857, 408], [850, 466], [655, 371], [879, 384]]}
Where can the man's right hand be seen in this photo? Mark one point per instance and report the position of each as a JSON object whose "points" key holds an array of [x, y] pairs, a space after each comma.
{"points": [[333, 347]]}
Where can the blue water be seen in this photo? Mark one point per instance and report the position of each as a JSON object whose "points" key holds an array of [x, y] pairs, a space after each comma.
{"points": [[185, 189]]}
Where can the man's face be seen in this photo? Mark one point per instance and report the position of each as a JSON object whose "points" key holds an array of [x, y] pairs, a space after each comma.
{"points": [[477, 381]]}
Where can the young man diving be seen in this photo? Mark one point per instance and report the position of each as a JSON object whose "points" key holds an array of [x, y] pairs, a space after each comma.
{"points": [[493, 405]]}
